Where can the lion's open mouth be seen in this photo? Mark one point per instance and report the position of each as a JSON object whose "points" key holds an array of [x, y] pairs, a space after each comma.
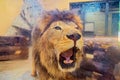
{"points": [[68, 58]]}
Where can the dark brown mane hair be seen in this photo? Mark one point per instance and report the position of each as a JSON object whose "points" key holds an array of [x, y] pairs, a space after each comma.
{"points": [[56, 15]]}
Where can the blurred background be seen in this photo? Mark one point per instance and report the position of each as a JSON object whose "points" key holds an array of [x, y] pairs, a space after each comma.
{"points": [[100, 19]]}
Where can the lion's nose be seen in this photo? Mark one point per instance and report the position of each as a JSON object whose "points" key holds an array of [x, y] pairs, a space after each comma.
{"points": [[74, 36]]}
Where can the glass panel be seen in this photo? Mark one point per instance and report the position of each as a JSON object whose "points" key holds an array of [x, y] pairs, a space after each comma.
{"points": [[102, 14], [92, 12], [113, 18]]}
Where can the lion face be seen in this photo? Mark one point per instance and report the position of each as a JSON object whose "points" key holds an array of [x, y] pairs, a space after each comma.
{"points": [[66, 38]]}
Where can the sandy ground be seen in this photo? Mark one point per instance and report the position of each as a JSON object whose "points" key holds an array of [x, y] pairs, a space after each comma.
{"points": [[16, 70]]}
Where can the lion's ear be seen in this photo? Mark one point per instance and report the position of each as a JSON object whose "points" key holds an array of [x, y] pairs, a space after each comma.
{"points": [[47, 16], [81, 26], [44, 21], [76, 18], [78, 21], [36, 33]]}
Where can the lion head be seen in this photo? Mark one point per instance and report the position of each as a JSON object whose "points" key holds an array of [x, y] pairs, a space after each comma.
{"points": [[58, 40]]}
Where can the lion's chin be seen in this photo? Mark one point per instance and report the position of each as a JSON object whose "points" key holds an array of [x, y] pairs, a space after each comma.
{"points": [[67, 60]]}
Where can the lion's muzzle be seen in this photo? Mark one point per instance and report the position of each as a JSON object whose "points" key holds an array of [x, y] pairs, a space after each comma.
{"points": [[68, 58]]}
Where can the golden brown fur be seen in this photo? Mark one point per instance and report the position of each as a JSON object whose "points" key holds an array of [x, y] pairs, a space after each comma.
{"points": [[50, 41]]}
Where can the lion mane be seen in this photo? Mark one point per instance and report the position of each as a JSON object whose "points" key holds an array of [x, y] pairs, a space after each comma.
{"points": [[57, 46]]}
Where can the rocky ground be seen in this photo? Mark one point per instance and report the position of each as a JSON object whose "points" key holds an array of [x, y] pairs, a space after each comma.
{"points": [[21, 69]]}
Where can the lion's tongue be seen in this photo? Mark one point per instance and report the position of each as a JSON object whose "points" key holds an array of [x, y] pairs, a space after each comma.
{"points": [[67, 54], [68, 61]]}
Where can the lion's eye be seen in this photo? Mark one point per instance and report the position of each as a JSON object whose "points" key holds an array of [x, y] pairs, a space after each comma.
{"points": [[57, 28]]}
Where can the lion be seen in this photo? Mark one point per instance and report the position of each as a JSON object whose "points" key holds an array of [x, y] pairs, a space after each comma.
{"points": [[57, 46]]}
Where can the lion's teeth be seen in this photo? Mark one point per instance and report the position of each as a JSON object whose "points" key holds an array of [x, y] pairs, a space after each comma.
{"points": [[68, 61]]}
